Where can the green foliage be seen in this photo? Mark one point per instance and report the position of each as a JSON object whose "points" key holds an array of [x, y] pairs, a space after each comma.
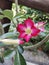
{"points": [[19, 60], [36, 15], [5, 25], [46, 48], [20, 49], [8, 14], [9, 35]]}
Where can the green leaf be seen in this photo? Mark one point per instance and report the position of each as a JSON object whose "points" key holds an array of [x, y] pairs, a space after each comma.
{"points": [[8, 14], [19, 15], [42, 34], [7, 52], [5, 25], [20, 49], [8, 35], [1, 16], [19, 60]]}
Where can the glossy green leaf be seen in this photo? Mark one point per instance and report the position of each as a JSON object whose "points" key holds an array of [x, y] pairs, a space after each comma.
{"points": [[19, 60], [5, 25], [20, 49], [8, 35], [8, 14]]}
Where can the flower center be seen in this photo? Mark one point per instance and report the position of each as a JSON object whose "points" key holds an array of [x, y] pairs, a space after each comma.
{"points": [[28, 31]]}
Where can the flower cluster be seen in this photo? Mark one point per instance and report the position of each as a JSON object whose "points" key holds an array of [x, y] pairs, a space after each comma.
{"points": [[29, 29]]}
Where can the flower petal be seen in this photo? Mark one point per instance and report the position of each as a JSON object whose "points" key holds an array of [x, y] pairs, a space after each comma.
{"points": [[28, 22], [22, 35], [21, 42], [42, 29], [40, 25], [27, 38], [21, 28], [35, 31]]}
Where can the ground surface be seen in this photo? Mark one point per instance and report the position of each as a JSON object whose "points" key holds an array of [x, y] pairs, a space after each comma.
{"points": [[10, 63], [32, 58], [38, 57]]}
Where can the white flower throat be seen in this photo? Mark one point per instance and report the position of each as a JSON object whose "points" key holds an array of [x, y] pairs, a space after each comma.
{"points": [[28, 31]]}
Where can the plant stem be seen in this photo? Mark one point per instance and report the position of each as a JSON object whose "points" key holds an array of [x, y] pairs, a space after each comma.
{"points": [[16, 2]]}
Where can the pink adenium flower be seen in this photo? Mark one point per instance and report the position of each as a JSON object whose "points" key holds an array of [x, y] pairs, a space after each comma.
{"points": [[27, 30], [40, 26]]}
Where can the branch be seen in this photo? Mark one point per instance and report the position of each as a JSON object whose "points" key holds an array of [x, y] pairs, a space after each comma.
{"points": [[37, 44]]}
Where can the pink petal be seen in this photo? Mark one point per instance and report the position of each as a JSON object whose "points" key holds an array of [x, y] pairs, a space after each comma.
{"points": [[21, 28], [28, 22], [35, 31], [21, 42], [27, 38], [40, 24], [42, 29], [22, 35]]}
